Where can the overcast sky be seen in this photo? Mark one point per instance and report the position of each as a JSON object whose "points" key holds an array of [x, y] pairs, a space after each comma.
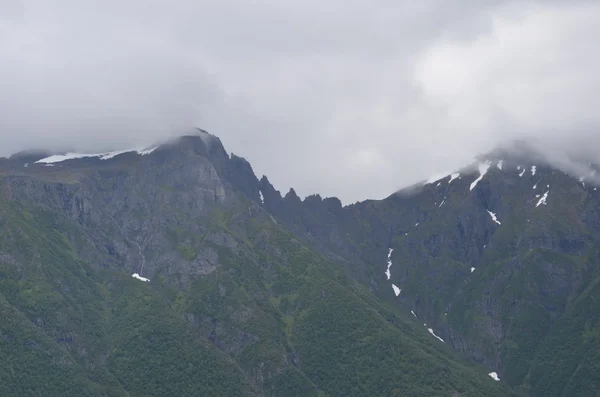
{"points": [[341, 97]]}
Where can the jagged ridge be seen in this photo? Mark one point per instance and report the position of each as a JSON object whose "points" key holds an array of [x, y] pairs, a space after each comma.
{"points": [[235, 303]]}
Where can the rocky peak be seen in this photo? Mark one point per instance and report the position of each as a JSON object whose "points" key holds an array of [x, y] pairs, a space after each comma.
{"points": [[291, 197]]}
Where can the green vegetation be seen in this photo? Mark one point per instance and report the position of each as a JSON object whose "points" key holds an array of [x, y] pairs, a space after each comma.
{"points": [[241, 304], [277, 321]]}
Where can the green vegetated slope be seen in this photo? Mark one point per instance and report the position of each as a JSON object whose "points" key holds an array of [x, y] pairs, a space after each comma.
{"points": [[531, 274], [499, 268], [568, 360], [257, 294], [69, 329], [527, 309], [273, 318]]}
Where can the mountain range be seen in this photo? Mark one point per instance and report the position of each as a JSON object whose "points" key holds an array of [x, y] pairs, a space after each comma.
{"points": [[174, 270]]}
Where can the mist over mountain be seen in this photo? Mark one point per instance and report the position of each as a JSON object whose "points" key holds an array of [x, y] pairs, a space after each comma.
{"points": [[580, 161], [299, 199], [377, 97]]}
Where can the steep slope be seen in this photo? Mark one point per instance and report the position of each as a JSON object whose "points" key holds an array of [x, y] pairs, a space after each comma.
{"points": [[235, 304], [500, 259]]}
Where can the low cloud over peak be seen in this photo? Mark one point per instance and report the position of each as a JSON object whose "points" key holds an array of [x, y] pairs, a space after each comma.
{"points": [[353, 99]]}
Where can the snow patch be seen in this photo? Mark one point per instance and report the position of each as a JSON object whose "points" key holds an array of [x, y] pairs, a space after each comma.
{"points": [[533, 170], [483, 169], [472, 269], [435, 179], [494, 376], [262, 198], [433, 333], [147, 151], [396, 290], [499, 165], [443, 201], [522, 172], [438, 178], [493, 215], [389, 263], [543, 199], [58, 158], [413, 313], [136, 275], [110, 155]]}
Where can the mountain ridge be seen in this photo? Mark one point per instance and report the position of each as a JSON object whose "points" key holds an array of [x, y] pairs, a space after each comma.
{"points": [[515, 153], [259, 310], [496, 261]]}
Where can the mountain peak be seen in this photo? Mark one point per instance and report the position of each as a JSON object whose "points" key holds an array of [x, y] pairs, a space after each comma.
{"points": [[517, 156], [197, 141]]}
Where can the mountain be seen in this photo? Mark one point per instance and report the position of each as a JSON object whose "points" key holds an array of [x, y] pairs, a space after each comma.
{"points": [[492, 270], [173, 270], [500, 259]]}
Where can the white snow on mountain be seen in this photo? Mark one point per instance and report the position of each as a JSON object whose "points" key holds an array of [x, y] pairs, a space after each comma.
{"points": [[136, 275], [543, 199], [433, 333], [494, 218], [483, 169], [388, 273], [58, 158]]}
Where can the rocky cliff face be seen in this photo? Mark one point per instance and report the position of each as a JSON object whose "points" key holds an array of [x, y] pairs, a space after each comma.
{"points": [[492, 257], [498, 261], [123, 203], [229, 297]]}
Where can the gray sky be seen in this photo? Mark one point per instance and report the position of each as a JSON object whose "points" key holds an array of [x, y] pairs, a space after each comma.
{"points": [[347, 98]]}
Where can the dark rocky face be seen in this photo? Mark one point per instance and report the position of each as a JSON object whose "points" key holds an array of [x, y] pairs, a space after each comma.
{"points": [[503, 270]]}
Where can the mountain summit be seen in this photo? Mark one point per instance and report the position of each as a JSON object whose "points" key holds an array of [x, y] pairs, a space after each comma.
{"points": [[174, 270]]}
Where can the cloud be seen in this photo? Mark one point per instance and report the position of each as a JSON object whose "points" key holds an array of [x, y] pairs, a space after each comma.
{"points": [[347, 98], [532, 76]]}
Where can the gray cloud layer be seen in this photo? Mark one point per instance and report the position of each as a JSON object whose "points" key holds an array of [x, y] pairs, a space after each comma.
{"points": [[348, 98]]}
